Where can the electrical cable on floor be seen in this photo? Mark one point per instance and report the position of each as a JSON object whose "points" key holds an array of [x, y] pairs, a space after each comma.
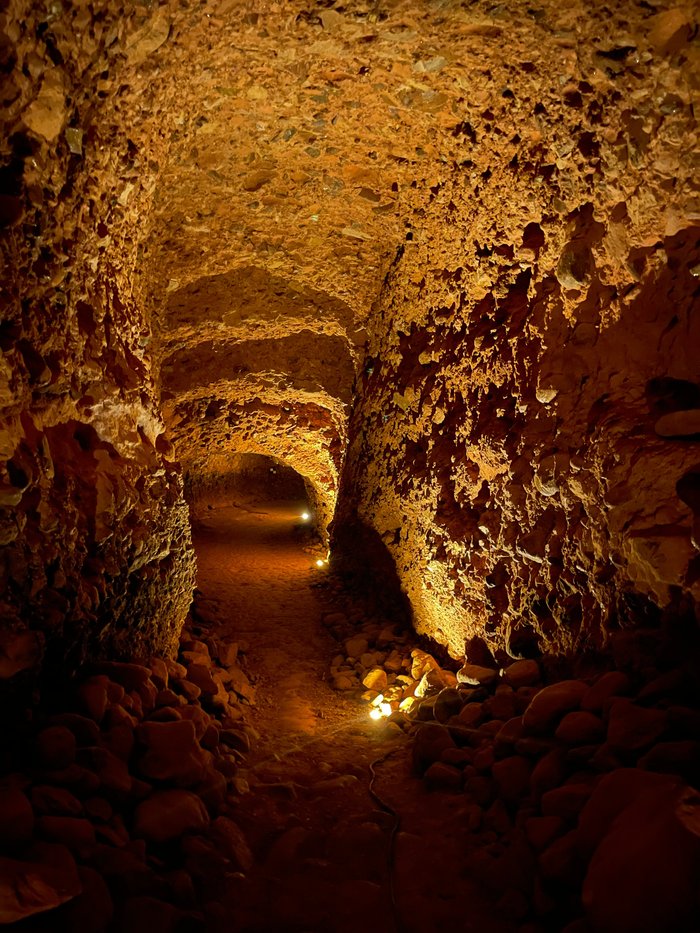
{"points": [[381, 803], [391, 855], [315, 737]]}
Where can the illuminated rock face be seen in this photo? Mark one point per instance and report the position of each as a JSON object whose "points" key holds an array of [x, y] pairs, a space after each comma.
{"points": [[96, 553], [224, 227]]}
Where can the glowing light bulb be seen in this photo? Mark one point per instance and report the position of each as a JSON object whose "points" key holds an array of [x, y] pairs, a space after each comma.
{"points": [[305, 516], [385, 709], [375, 713], [320, 563]]}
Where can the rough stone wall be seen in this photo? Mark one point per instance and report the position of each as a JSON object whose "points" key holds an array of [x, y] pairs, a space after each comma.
{"points": [[199, 202], [96, 554], [525, 442]]}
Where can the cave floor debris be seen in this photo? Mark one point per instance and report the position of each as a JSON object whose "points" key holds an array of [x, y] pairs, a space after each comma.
{"points": [[323, 845]]}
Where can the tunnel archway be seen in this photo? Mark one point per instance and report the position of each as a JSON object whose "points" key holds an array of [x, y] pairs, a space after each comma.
{"points": [[260, 478]]}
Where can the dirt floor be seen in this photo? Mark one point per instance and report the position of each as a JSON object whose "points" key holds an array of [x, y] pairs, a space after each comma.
{"points": [[345, 838]]}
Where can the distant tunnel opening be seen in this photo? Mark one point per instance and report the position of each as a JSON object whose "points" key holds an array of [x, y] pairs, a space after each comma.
{"points": [[256, 478]]}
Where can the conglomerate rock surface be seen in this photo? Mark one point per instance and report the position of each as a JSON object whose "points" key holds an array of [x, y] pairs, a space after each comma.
{"points": [[219, 215]]}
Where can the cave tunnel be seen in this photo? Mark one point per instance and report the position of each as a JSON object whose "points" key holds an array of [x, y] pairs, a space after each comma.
{"points": [[349, 467]]}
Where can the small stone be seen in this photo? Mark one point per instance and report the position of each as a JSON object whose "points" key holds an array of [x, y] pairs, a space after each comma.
{"points": [[549, 772], [175, 670], [512, 777], [241, 685], [522, 674], [75, 833], [78, 779], [423, 711], [613, 793], [159, 673], [431, 682], [459, 757], [508, 734], [421, 663], [631, 727], [386, 635], [376, 680], [356, 646], [533, 747], [54, 801], [668, 684], [448, 703], [566, 802], [441, 776], [98, 809], [202, 677], [55, 747], [230, 840], [580, 728], [32, 887], [112, 771], [502, 705], [144, 914], [167, 814], [228, 654], [481, 788], [93, 695], [16, 818], [561, 862], [86, 731], [614, 683], [513, 905], [189, 690], [212, 790], [541, 831], [430, 741], [471, 714], [344, 682], [681, 757], [496, 818], [47, 113], [199, 717], [669, 30], [237, 739], [168, 697], [475, 674], [129, 676], [551, 703], [92, 910], [484, 758], [171, 752]]}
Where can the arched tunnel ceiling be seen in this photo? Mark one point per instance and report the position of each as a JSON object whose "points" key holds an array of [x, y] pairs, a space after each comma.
{"points": [[310, 142]]}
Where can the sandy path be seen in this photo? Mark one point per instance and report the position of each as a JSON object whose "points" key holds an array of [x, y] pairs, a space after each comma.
{"points": [[322, 844]]}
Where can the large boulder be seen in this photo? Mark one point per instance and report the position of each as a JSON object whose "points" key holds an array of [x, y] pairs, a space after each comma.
{"points": [[167, 814], [643, 877]]}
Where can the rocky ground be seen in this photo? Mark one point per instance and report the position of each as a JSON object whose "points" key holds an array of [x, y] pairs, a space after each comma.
{"points": [[246, 787]]}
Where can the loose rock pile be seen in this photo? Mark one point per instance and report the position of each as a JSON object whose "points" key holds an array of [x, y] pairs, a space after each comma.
{"points": [[396, 676], [116, 814], [547, 771], [581, 804]]}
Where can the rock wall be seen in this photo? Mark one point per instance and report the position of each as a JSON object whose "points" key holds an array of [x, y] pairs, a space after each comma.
{"points": [[96, 556], [525, 440], [198, 205]]}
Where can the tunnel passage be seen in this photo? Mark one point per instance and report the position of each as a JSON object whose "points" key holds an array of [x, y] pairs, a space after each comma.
{"points": [[252, 480]]}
